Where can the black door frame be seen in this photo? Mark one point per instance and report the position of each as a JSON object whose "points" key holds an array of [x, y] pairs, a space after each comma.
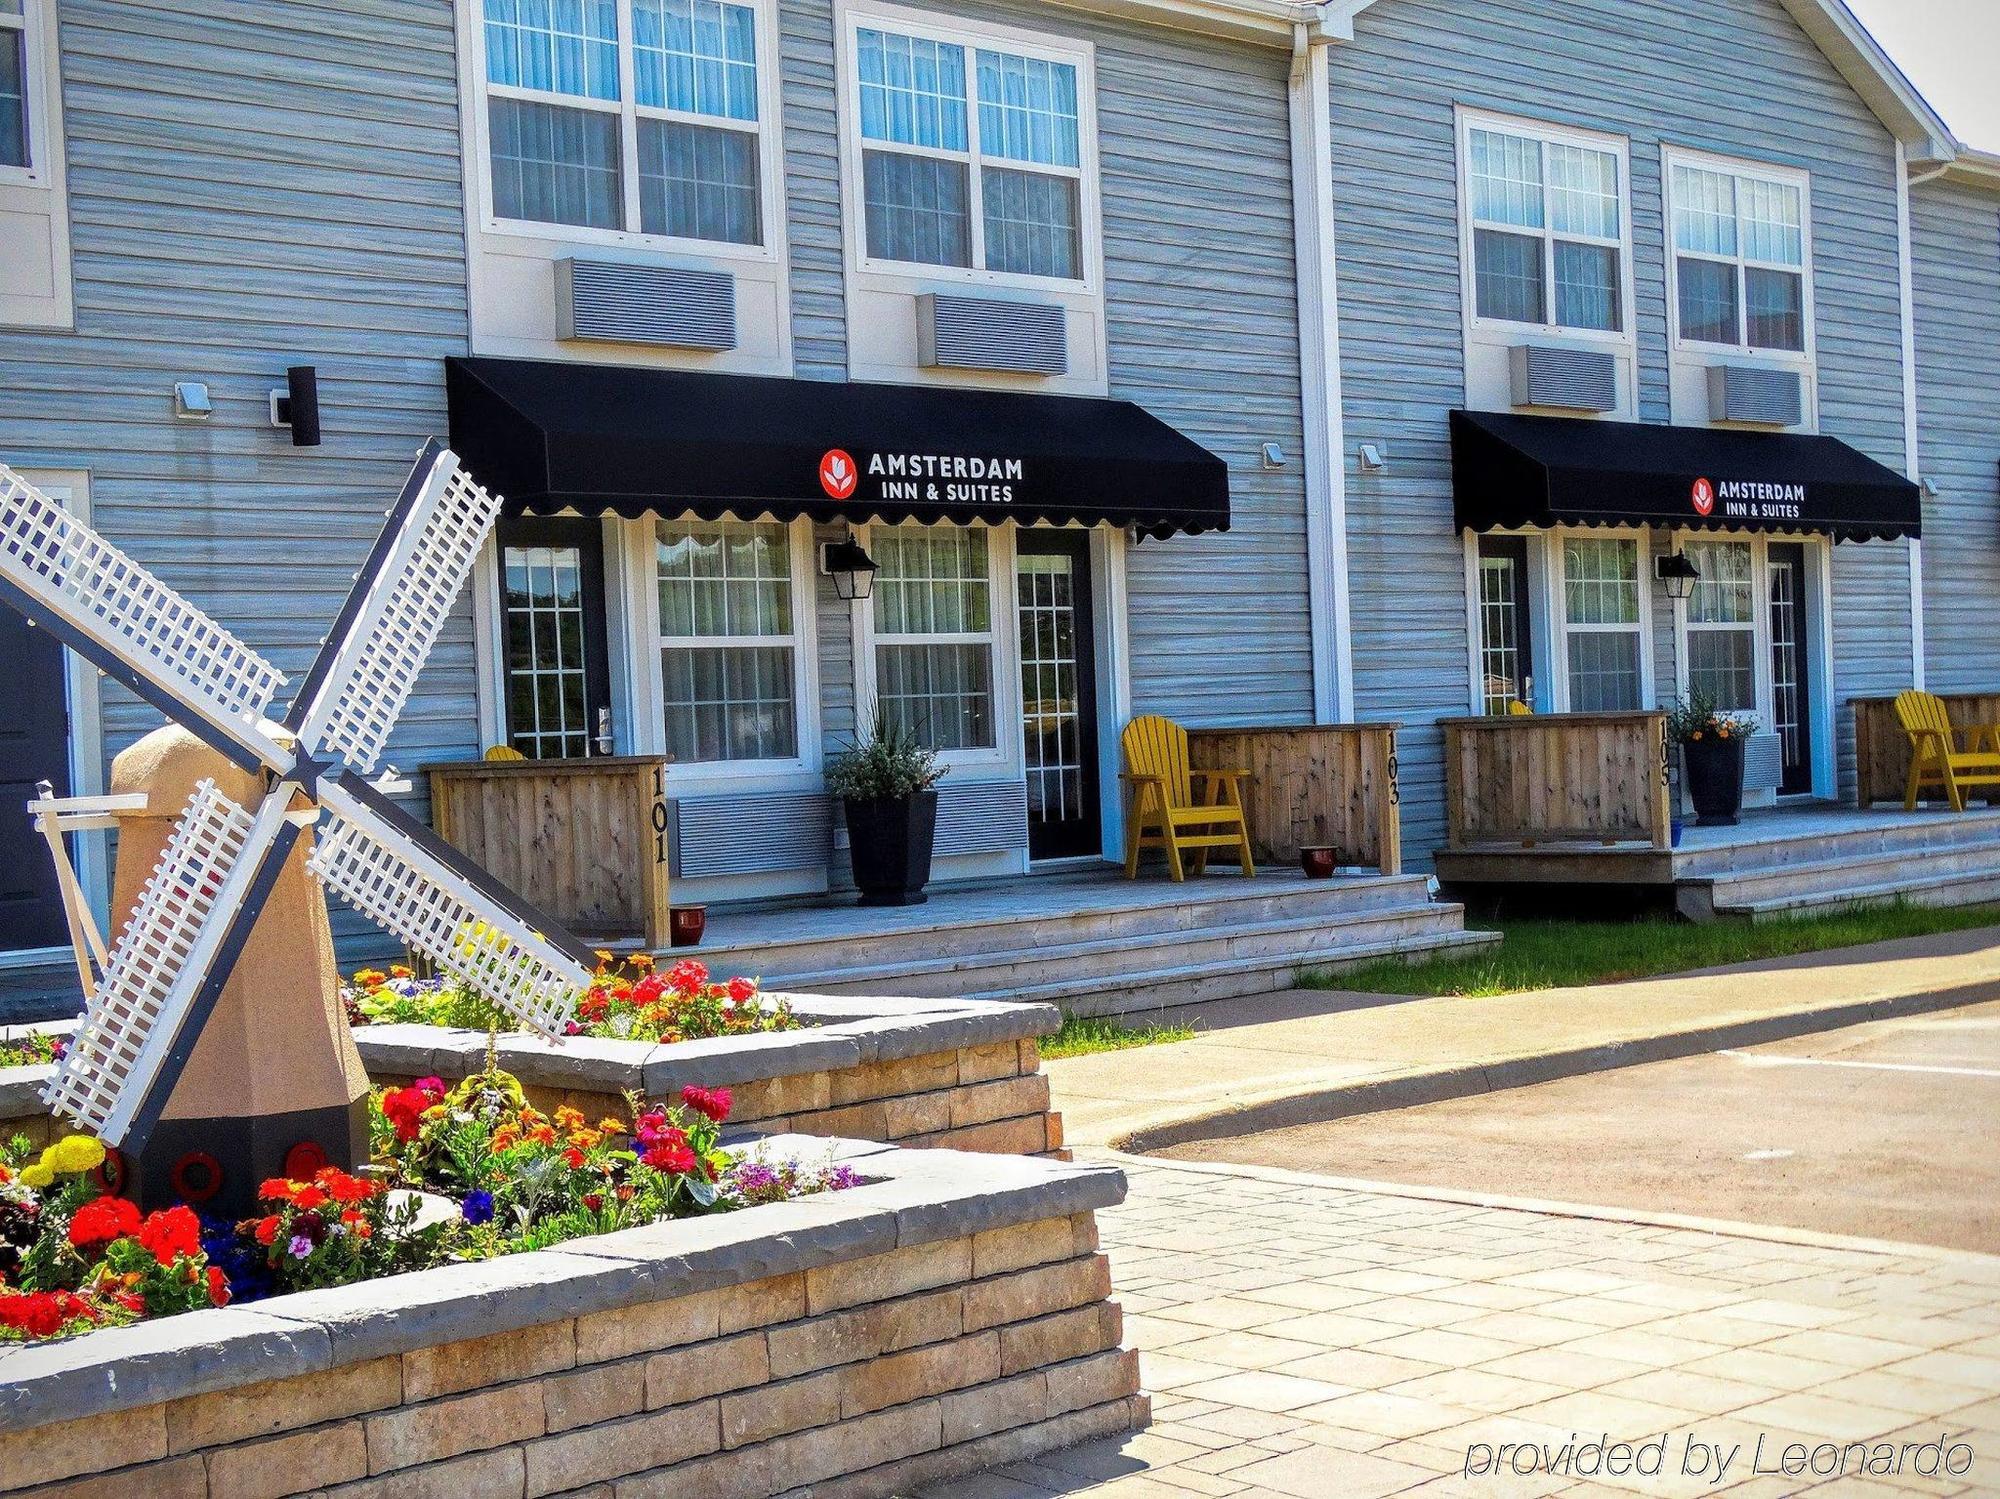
{"points": [[1513, 550], [1790, 556], [586, 535], [1084, 837], [40, 923]]}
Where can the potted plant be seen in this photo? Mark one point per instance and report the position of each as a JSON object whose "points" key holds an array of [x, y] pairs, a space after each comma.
{"points": [[885, 787], [1711, 744]]}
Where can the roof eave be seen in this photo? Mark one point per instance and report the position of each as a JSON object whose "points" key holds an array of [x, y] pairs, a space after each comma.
{"points": [[1271, 23]]}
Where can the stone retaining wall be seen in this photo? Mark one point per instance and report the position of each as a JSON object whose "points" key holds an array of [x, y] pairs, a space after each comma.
{"points": [[952, 1315], [960, 1074]]}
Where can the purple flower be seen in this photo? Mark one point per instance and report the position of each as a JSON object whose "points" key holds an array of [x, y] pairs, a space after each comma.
{"points": [[300, 1246], [477, 1207], [841, 1178]]}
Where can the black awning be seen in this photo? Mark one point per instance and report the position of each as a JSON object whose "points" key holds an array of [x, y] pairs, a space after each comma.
{"points": [[1561, 471], [615, 438]]}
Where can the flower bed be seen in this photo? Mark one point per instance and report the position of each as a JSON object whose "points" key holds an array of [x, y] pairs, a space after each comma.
{"points": [[949, 1314]]}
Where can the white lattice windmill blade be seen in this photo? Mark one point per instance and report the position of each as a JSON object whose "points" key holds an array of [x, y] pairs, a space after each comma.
{"points": [[117, 615], [170, 962]]}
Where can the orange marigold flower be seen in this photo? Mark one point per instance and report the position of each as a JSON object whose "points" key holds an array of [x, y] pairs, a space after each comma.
{"points": [[277, 1189]]}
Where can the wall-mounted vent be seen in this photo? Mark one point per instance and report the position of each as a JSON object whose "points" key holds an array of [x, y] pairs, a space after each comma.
{"points": [[1763, 762], [986, 333], [754, 834], [1745, 393], [980, 817], [1566, 379], [645, 304]]}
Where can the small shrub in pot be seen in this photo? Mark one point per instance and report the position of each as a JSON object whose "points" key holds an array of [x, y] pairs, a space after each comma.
{"points": [[885, 784]]}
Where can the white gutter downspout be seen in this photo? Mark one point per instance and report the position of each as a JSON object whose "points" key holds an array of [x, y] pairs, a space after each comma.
{"points": [[1912, 465], [1310, 95]]}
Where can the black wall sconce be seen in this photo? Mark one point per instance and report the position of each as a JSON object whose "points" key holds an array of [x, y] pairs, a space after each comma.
{"points": [[850, 567], [297, 405], [1677, 576]]}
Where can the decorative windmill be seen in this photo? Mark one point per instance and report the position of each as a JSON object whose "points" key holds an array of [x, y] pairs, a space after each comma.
{"points": [[218, 868]]}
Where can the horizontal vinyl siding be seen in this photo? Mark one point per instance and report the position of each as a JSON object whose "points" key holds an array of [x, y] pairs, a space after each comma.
{"points": [[250, 188], [812, 189], [1637, 68], [1956, 232]]}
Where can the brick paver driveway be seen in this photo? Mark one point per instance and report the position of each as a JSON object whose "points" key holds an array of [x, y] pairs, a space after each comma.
{"points": [[1318, 1340]]}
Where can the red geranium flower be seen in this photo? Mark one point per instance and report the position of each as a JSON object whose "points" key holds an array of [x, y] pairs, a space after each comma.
{"points": [[674, 1159], [310, 1197], [277, 1189], [648, 989], [218, 1286], [171, 1234], [742, 990], [687, 978], [403, 1108], [714, 1103], [344, 1188], [267, 1230], [101, 1220]]}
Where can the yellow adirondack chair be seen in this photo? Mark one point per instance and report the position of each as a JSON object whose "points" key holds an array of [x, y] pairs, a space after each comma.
{"points": [[1935, 756], [1173, 808], [502, 752]]}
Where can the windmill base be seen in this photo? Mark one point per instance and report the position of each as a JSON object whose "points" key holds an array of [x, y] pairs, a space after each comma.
{"points": [[216, 1165]]}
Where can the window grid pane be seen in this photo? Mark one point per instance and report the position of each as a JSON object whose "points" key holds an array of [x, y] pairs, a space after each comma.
{"points": [[1720, 668], [555, 166], [1772, 221], [1775, 308], [13, 97], [1601, 610], [934, 581], [1507, 275], [729, 703], [1587, 290], [912, 90], [918, 208], [695, 55], [1506, 180], [1027, 109], [1704, 212], [1708, 301], [698, 182], [1725, 595], [1031, 223], [730, 583], [557, 46], [942, 693], [723, 579], [1499, 634], [1583, 191], [1604, 672]]}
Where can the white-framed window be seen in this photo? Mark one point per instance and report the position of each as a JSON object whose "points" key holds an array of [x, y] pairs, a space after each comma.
{"points": [[622, 118], [16, 89], [934, 630], [542, 621], [1504, 605], [975, 149], [1547, 235], [1742, 254], [731, 623], [1721, 623], [1603, 622]]}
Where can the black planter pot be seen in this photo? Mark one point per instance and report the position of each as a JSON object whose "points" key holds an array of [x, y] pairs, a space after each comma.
{"points": [[1715, 780], [890, 843]]}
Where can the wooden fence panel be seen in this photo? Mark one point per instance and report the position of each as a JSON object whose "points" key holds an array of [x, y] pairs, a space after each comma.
{"points": [[1557, 778], [1314, 785], [584, 840], [1882, 749]]}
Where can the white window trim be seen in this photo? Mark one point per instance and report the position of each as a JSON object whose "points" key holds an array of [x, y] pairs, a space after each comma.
{"points": [[971, 35], [768, 128], [37, 26], [1626, 336], [1672, 156], [1002, 639], [1558, 609]]}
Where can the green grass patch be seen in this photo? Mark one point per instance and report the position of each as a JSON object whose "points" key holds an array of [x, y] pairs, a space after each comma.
{"points": [[1541, 954], [1083, 1034]]}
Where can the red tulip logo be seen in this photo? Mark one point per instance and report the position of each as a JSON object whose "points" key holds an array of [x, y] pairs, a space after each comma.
{"points": [[837, 474], [1704, 497]]}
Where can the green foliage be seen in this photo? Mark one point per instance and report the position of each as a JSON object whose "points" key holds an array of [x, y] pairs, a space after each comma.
{"points": [[1081, 1035], [1538, 954], [1695, 718], [888, 764]]}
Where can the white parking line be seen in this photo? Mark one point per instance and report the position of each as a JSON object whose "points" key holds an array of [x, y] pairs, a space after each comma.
{"points": [[1757, 1061]]}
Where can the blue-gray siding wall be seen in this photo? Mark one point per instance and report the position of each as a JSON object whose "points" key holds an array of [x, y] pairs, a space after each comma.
{"points": [[250, 188], [1656, 71], [1955, 231]]}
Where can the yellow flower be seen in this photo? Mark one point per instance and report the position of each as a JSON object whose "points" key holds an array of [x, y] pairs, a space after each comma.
{"points": [[71, 1157], [38, 1176], [369, 978], [401, 971]]}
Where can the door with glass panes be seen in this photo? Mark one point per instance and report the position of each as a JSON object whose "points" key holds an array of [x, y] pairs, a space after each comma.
{"points": [[1058, 692], [552, 631]]}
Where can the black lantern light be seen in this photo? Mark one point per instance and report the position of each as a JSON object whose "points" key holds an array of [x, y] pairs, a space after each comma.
{"points": [[1677, 576], [850, 567]]}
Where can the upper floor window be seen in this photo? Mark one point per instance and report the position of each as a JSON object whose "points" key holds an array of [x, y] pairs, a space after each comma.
{"points": [[636, 115], [1547, 229], [972, 155], [1740, 256], [14, 150]]}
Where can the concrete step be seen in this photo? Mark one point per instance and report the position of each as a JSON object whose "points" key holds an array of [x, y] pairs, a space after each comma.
{"points": [[1890, 836], [1975, 889], [1111, 961], [1805, 879], [1199, 908], [1166, 988]]}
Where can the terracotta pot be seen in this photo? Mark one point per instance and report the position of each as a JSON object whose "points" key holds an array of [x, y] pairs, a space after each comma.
{"points": [[686, 925], [1317, 863]]}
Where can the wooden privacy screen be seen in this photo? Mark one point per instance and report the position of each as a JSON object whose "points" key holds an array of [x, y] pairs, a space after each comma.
{"points": [[1324, 785], [584, 840], [1557, 778], [1882, 749]]}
